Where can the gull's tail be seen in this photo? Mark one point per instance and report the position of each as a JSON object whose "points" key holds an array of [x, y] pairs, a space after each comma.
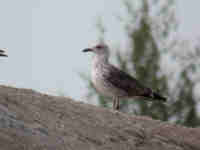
{"points": [[2, 52], [157, 96], [148, 93]]}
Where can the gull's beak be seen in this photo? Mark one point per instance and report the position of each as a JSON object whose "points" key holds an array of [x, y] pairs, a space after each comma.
{"points": [[87, 50]]}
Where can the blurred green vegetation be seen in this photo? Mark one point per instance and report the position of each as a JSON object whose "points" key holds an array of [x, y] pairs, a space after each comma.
{"points": [[159, 60]]}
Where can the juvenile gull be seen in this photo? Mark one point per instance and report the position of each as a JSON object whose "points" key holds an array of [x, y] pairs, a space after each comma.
{"points": [[111, 82]]}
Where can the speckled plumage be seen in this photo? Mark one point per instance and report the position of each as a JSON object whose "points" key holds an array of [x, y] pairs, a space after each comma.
{"points": [[111, 82]]}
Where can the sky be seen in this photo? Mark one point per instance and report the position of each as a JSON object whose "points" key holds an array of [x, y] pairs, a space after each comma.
{"points": [[45, 38]]}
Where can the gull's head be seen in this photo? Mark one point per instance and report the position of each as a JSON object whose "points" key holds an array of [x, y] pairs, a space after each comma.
{"points": [[100, 50]]}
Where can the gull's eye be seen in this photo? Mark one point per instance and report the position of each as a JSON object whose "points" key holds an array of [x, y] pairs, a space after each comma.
{"points": [[99, 46]]}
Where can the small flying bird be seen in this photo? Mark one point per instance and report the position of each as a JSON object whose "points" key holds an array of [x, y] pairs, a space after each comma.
{"points": [[2, 52], [112, 82]]}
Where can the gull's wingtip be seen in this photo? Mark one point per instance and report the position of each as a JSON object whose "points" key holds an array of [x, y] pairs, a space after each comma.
{"points": [[2, 52]]}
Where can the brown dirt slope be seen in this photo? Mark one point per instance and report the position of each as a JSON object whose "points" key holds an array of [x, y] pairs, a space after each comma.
{"points": [[33, 121]]}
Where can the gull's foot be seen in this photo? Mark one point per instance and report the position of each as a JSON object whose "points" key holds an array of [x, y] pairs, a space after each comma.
{"points": [[115, 111]]}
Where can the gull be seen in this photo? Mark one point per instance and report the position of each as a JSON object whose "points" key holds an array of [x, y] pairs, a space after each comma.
{"points": [[2, 52], [111, 82]]}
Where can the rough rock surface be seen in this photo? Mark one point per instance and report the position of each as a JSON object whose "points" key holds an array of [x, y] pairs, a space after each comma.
{"points": [[33, 121]]}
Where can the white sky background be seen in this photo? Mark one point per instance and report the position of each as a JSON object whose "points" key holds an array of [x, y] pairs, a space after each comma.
{"points": [[45, 39]]}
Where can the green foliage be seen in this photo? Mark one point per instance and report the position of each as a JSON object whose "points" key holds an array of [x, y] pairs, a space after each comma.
{"points": [[145, 56], [149, 42]]}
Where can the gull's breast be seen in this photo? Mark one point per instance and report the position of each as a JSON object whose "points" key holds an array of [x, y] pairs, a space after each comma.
{"points": [[102, 85]]}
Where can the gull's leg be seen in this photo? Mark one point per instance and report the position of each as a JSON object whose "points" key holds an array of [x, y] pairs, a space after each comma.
{"points": [[116, 103]]}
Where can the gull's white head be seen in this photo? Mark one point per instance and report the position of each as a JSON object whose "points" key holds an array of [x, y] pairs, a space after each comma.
{"points": [[101, 50]]}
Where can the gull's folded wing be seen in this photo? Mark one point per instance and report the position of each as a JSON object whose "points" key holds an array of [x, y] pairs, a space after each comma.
{"points": [[124, 82]]}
